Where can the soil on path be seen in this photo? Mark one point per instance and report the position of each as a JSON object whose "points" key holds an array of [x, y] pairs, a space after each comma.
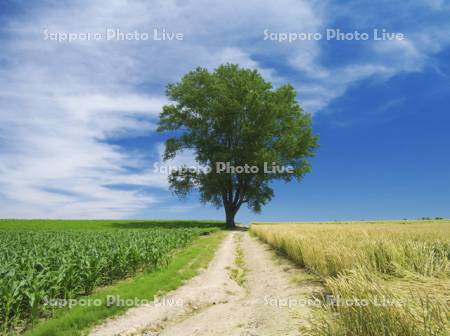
{"points": [[211, 304]]}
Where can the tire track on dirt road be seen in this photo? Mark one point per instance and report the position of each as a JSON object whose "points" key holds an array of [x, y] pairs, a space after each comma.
{"points": [[213, 304]]}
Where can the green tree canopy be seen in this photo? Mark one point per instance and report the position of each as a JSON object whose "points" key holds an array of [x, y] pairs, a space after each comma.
{"points": [[232, 115]]}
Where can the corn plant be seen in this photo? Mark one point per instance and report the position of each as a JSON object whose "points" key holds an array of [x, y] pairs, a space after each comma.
{"points": [[36, 266]]}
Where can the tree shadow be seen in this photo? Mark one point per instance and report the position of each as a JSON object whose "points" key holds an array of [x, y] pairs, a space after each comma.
{"points": [[169, 224]]}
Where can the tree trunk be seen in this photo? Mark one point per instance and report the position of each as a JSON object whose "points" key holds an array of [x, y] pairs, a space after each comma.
{"points": [[229, 215]]}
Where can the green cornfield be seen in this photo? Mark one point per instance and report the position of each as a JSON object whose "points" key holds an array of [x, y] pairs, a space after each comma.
{"points": [[41, 266]]}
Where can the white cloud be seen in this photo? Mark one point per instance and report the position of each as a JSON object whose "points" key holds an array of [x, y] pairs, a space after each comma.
{"points": [[60, 103], [156, 173]]}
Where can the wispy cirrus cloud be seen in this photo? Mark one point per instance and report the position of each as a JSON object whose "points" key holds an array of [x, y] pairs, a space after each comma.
{"points": [[65, 106], [62, 104]]}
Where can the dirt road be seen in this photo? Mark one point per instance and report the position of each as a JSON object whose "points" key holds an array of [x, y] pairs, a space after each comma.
{"points": [[214, 304]]}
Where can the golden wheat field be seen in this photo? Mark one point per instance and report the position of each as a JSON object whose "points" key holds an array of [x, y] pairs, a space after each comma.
{"points": [[379, 278]]}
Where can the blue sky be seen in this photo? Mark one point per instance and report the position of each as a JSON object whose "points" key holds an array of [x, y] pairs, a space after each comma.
{"points": [[77, 118]]}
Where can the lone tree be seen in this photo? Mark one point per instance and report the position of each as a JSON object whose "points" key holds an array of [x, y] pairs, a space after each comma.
{"points": [[234, 117]]}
